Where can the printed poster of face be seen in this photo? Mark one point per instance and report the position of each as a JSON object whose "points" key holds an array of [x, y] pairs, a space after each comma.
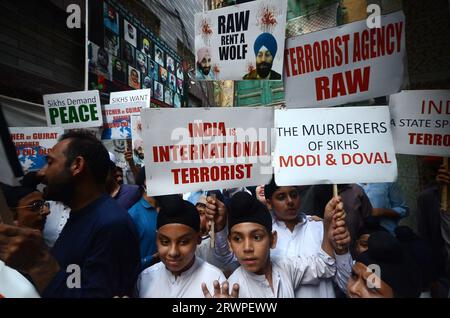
{"points": [[147, 83], [176, 100], [153, 70], [129, 33], [134, 78], [163, 75], [159, 56], [180, 71], [146, 46], [128, 53], [112, 42], [159, 91], [168, 96], [100, 61], [141, 62], [180, 86], [110, 18], [172, 82], [119, 70], [170, 64]]}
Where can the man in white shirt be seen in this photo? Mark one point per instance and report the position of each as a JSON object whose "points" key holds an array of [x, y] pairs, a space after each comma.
{"points": [[301, 236], [180, 273], [264, 276]]}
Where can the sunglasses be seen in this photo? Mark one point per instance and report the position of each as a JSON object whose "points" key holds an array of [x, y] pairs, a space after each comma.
{"points": [[36, 206]]}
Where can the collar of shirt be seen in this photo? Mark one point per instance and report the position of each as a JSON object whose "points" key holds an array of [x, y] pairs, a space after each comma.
{"points": [[279, 223], [262, 281], [145, 204], [184, 275]]}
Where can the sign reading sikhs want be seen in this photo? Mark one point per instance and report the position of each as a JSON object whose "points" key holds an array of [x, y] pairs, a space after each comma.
{"points": [[241, 42], [345, 64], [191, 149]]}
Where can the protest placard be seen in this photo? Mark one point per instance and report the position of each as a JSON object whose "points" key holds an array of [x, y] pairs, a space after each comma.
{"points": [[345, 64], [117, 119], [33, 144], [420, 122], [244, 41], [333, 145], [137, 141], [191, 149], [135, 95], [73, 110]]}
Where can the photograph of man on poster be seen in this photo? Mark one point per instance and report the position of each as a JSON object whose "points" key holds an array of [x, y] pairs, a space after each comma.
{"points": [[146, 46], [141, 62], [119, 70], [168, 96], [172, 82], [147, 82], [153, 70], [128, 53], [180, 71], [110, 18], [265, 48], [99, 61], [129, 33], [163, 75], [159, 91], [159, 56], [112, 42], [134, 78], [204, 71], [170, 64], [180, 86]]}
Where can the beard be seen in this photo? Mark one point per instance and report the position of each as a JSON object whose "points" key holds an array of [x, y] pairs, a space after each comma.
{"points": [[205, 70], [263, 69], [60, 188]]}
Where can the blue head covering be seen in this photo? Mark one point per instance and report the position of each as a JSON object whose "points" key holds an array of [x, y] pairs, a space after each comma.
{"points": [[267, 40]]}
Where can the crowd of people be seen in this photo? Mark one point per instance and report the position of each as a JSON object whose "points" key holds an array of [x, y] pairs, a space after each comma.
{"points": [[88, 234]]}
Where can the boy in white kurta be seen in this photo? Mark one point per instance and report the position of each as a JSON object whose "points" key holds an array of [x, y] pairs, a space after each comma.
{"points": [[180, 273]]}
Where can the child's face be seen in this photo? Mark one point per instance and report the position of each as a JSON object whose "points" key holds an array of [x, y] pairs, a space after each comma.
{"points": [[285, 202], [176, 246], [251, 243]]}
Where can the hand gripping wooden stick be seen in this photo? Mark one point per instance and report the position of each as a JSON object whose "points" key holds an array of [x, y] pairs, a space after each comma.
{"points": [[212, 233], [444, 194]]}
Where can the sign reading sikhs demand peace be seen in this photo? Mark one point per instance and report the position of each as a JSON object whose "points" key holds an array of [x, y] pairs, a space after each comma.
{"points": [[421, 122], [117, 119], [73, 110], [33, 144], [333, 145], [345, 64], [191, 149], [241, 42], [135, 95]]}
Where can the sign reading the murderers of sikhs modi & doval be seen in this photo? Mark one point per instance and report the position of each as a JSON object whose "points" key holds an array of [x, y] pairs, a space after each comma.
{"points": [[135, 95], [333, 145], [73, 110], [345, 64], [241, 42], [191, 149], [33, 144], [420, 122], [117, 119]]}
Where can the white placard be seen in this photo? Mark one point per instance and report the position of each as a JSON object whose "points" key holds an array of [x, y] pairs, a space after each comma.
{"points": [[334, 145], [191, 149], [421, 122], [228, 41], [33, 144], [135, 95], [73, 110], [345, 64], [117, 119]]}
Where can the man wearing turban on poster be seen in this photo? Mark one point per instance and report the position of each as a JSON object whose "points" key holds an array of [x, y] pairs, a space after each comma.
{"points": [[265, 48], [204, 71]]}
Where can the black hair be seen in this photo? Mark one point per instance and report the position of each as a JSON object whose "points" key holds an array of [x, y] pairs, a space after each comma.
{"points": [[83, 143]]}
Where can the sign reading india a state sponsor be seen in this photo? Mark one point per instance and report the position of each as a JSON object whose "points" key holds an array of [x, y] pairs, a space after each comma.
{"points": [[345, 64], [136, 95], [73, 110], [421, 122], [333, 145], [241, 42], [117, 119], [191, 149], [33, 144]]}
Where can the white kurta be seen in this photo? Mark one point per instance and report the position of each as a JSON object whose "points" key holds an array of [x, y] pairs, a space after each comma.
{"points": [[305, 241], [287, 275], [15, 285], [157, 282]]}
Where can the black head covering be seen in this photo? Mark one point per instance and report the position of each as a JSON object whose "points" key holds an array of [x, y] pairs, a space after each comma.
{"points": [[176, 210], [395, 267], [269, 189], [371, 225], [246, 208], [14, 194]]}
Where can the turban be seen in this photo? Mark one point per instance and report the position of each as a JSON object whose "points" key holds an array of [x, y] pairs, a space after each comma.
{"points": [[14, 194], [245, 208], [267, 40], [269, 189], [202, 53], [176, 210]]}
